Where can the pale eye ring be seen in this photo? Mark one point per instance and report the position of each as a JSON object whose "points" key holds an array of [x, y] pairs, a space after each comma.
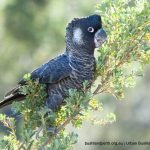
{"points": [[91, 29]]}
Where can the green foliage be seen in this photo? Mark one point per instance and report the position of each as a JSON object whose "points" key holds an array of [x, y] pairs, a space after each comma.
{"points": [[9, 141], [64, 142], [127, 24], [33, 106], [110, 118], [43, 127], [128, 27]]}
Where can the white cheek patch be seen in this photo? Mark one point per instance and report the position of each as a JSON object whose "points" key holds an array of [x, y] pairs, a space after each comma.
{"points": [[77, 36]]}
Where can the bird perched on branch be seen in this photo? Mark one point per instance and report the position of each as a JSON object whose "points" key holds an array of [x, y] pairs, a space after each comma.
{"points": [[70, 69]]}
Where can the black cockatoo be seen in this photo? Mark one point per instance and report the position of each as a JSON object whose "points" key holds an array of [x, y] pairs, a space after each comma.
{"points": [[70, 69]]}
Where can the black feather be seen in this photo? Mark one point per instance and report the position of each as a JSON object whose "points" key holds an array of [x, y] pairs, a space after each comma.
{"points": [[67, 71], [10, 99]]}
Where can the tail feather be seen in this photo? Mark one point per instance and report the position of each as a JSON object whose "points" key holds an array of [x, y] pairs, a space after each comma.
{"points": [[10, 97], [13, 91]]}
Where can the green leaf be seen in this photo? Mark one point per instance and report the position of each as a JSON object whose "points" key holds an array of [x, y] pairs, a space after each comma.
{"points": [[27, 76]]}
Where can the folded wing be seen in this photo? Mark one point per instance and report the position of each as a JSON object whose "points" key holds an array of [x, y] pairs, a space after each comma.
{"points": [[50, 73]]}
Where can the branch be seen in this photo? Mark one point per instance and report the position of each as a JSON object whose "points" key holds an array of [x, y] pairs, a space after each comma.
{"points": [[57, 130], [67, 121]]}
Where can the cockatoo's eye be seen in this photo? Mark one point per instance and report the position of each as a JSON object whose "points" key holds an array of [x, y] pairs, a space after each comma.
{"points": [[91, 29]]}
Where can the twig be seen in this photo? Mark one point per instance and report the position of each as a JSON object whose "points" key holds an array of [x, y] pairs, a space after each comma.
{"points": [[57, 130], [97, 89]]}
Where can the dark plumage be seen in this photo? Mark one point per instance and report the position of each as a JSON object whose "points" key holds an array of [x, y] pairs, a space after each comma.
{"points": [[70, 69]]}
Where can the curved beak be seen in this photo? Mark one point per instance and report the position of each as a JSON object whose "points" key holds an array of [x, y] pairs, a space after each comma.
{"points": [[100, 37]]}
